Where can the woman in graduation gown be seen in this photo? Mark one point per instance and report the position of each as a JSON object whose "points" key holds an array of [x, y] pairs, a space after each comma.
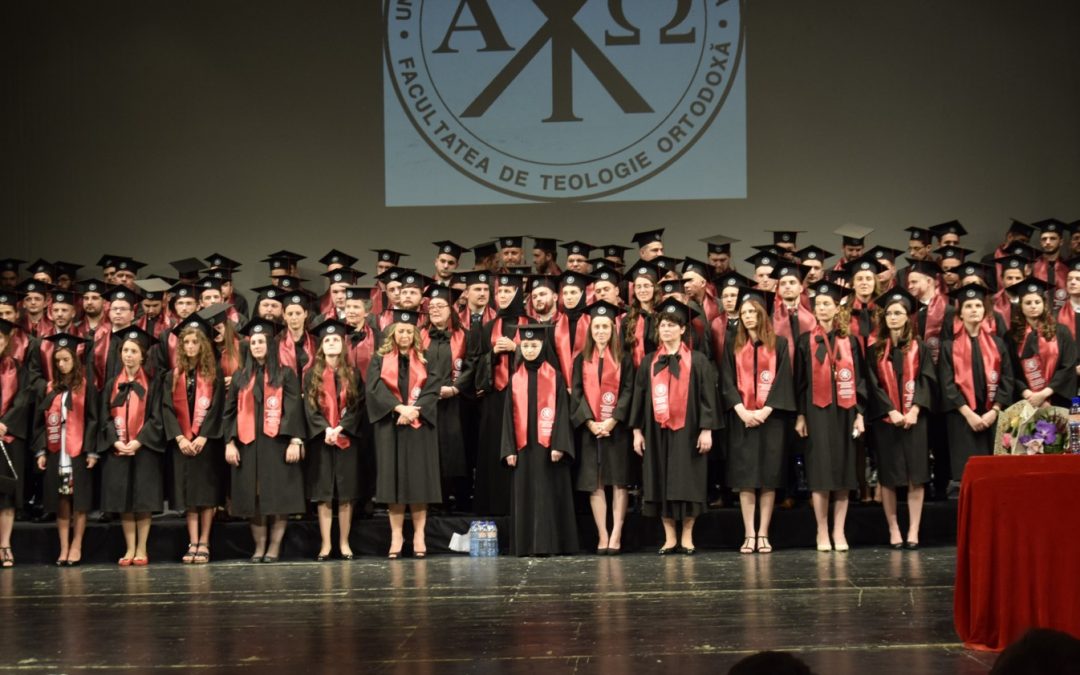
{"points": [[132, 445], [296, 346], [757, 392], [602, 393], [538, 445], [402, 402], [493, 351], [639, 330], [192, 402], [1043, 352], [65, 444], [443, 341], [674, 412], [264, 435], [830, 395], [975, 372], [15, 399], [901, 375], [332, 403]]}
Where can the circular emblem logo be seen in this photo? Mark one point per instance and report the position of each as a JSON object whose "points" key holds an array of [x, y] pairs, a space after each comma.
{"points": [[385, 256], [482, 277], [660, 389], [458, 363], [54, 418], [272, 402], [118, 421], [766, 376], [601, 310], [415, 393], [671, 308], [447, 249], [570, 279], [1060, 294], [547, 413], [1030, 366], [257, 329], [330, 330], [971, 293], [204, 402], [608, 398], [992, 376], [62, 342], [909, 387], [844, 374], [566, 100]]}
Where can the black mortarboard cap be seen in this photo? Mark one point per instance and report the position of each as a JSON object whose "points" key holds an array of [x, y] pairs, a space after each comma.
{"points": [[216, 314], [970, 292], [546, 244], [343, 275], [834, 291], [40, 266], [144, 339], [188, 267], [1051, 225], [388, 255], [919, 234], [449, 248], [614, 251], [331, 327], [648, 237], [217, 260], [195, 322], [789, 269], [785, 236], [702, 269], [575, 279], [643, 268], [953, 253], [883, 253], [865, 263], [511, 242], [92, 286], [66, 268], [578, 248], [603, 308], [66, 341], [358, 293], [672, 308], [413, 279], [261, 326], [813, 253], [34, 286], [543, 281], [928, 267], [436, 291], [336, 257], [951, 227], [1021, 228], [473, 277], [406, 316], [897, 295], [533, 331], [764, 259]]}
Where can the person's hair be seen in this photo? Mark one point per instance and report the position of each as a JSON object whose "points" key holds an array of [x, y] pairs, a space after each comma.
{"points": [[389, 344], [842, 320], [73, 380], [615, 343], [454, 324], [764, 328], [204, 362], [1038, 651], [771, 663], [230, 343], [634, 314], [273, 370], [885, 334], [345, 377], [1047, 324], [139, 344]]}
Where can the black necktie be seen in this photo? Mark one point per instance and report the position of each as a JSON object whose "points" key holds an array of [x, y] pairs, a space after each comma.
{"points": [[669, 361]]}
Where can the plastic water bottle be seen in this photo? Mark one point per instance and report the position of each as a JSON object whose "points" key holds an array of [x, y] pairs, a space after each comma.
{"points": [[494, 537], [474, 539], [485, 538], [1074, 426]]}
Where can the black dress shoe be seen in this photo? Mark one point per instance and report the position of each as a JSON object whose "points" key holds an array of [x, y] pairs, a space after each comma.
{"points": [[668, 551], [689, 551], [347, 556], [896, 547], [322, 558], [603, 551], [911, 546]]}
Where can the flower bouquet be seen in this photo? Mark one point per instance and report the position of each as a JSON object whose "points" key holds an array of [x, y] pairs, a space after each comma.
{"points": [[1023, 430]]}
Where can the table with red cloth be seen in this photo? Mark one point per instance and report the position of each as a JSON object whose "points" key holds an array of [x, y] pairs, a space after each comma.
{"points": [[1017, 549]]}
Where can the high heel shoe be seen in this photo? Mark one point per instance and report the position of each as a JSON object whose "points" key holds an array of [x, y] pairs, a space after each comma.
{"points": [[394, 555], [824, 548]]}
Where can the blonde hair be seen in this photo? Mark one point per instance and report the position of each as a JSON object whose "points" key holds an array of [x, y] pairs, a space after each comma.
{"points": [[205, 362], [345, 376], [390, 345], [764, 328], [615, 343]]}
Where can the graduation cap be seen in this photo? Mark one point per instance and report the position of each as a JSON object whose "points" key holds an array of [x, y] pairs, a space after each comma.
{"points": [[9, 298], [218, 260], [579, 248], [194, 322], [343, 275], [853, 235], [676, 311], [62, 297], [260, 326], [220, 273], [970, 292], [169, 281], [897, 295], [475, 277], [188, 267], [135, 334], [34, 286], [183, 290], [92, 286], [209, 283], [406, 316], [533, 331], [671, 286], [336, 257], [6, 327], [785, 236], [550, 282], [389, 256], [66, 341], [865, 263], [357, 293], [124, 294], [928, 267], [414, 280], [216, 314], [813, 253], [1051, 225], [1029, 286], [602, 308], [10, 264], [919, 234], [108, 260], [481, 251], [732, 278], [511, 242], [601, 264], [523, 270], [66, 269], [666, 264], [951, 227], [1021, 228], [290, 283], [702, 269], [270, 292], [449, 248], [546, 244], [643, 268], [575, 279], [1012, 262], [953, 253], [719, 243], [128, 264], [884, 253], [1021, 249], [747, 294], [615, 251], [332, 327], [40, 266], [282, 260], [607, 274], [1073, 265], [648, 237], [437, 292], [299, 297], [763, 259], [977, 269], [834, 291], [771, 249], [509, 279], [392, 274], [789, 269]]}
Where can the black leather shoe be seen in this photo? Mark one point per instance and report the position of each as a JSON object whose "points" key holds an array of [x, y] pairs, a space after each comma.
{"points": [[322, 558], [668, 551], [911, 546], [689, 551]]}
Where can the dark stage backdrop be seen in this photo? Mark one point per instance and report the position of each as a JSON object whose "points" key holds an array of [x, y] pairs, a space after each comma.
{"points": [[165, 129]]}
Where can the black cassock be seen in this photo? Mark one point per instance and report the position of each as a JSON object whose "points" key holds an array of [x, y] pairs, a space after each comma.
{"points": [[963, 442], [1063, 379], [830, 448], [265, 484], [673, 471], [542, 520], [132, 483], [902, 454], [756, 457], [198, 481], [82, 478], [407, 458], [331, 472], [17, 419], [451, 437], [604, 461]]}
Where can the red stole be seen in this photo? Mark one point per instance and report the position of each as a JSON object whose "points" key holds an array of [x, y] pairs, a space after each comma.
{"points": [[417, 378], [102, 340], [1040, 269], [245, 409], [1066, 316], [378, 300], [563, 350], [20, 343], [832, 365], [287, 353], [502, 367], [1039, 367], [1003, 305], [9, 387], [887, 375], [204, 396], [638, 352], [128, 417], [360, 352], [670, 394], [230, 363], [326, 305], [172, 344], [43, 328], [333, 407], [466, 316], [72, 429], [935, 317], [719, 335], [962, 366], [545, 403], [601, 390], [457, 349], [709, 304], [754, 387], [782, 322]]}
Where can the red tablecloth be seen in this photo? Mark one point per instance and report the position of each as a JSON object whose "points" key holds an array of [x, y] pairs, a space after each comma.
{"points": [[1018, 548]]}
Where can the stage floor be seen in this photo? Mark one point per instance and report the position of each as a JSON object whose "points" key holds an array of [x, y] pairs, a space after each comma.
{"points": [[873, 610]]}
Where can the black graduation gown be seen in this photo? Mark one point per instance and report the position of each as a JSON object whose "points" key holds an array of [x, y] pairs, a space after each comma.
{"points": [[136, 483], [674, 474], [17, 419], [407, 458], [604, 461], [1063, 379], [265, 484], [82, 478], [198, 481], [830, 449], [963, 442], [542, 519], [451, 438], [332, 472], [755, 457], [649, 334], [902, 454]]}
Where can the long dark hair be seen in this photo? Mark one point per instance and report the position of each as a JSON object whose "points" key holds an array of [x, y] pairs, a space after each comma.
{"points": [[615, 343], [345, 377], [885, 333], [72, 381], [273, 369], [1047, 325], [764, 329]]}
